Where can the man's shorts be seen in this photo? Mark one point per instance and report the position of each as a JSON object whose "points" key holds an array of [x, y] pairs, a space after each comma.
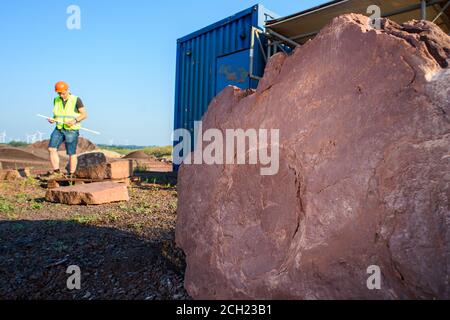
{"points": [[70, 137]]}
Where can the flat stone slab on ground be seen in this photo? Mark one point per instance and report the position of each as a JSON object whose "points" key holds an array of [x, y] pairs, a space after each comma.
{"points": [[89, 194]]}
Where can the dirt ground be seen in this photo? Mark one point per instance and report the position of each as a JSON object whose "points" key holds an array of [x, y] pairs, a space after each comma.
{"points": [[124, 250]]}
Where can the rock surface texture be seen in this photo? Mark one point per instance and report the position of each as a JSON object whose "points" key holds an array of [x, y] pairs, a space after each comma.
{"points": [[89, 194], [364, 178], [96, 166]]}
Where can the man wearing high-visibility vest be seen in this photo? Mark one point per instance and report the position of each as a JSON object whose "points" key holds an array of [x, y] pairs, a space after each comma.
{"points": [[68, 112]]}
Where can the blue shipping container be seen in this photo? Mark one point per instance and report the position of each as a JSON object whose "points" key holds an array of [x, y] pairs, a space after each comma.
{"points": [[214, 57]]}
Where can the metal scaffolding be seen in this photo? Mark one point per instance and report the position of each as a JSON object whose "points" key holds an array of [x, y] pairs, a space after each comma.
{"points": [[283, 31]]}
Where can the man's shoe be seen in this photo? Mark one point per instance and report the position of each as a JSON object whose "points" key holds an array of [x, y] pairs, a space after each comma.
{"points": [[71, 176], [56, 175], [48, 173]]}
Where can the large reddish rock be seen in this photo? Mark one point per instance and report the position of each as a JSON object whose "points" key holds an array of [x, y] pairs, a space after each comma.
{"points": [[364, 175], [96, 166], [89, 194]]}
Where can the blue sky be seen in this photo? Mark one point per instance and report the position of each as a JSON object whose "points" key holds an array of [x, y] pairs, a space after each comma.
{"points": [[121, 62]]}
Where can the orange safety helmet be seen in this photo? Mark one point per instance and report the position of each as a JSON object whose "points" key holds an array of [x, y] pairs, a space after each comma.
{"points": [[61, 86]]}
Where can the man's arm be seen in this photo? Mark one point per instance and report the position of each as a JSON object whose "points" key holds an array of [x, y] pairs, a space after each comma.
{"points": [[49, 119], [81, 110], [83, 114]]}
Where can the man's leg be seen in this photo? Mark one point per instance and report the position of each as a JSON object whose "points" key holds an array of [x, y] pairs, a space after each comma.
{"points": [[71, 148], [56, 140], [54, 158], [73, 162]]}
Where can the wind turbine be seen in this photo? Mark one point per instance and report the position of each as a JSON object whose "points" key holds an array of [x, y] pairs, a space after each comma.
{"points": [[31, 138], [39, 135], [3, 137]]}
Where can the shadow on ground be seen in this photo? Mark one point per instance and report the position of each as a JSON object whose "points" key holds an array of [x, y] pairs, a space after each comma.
{"points": [[161, 178], [34, 257]]}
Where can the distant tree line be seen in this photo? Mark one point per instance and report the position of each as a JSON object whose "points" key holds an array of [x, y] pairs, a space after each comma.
{"points": [[17, 144]]}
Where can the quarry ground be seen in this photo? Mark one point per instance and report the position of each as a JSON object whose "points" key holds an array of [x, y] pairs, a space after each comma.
{"points": [[124, 250]]}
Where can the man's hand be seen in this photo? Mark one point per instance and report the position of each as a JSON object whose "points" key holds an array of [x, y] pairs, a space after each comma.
{"points": [[71, 123], [50, 120]]}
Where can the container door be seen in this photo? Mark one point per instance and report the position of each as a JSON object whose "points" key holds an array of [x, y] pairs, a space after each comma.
{"points": [[233, 69]]}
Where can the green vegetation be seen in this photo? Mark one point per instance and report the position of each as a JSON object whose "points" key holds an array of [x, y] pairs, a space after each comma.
{"points": [[36, 205], [30, 182], [164, 182], [17, 227], [159, 152], [173, 205], [51, 223], [18, 144], [21, 197], [112, 216], [60, 246], [124, 208], [7, 208], [81, 219], [140, 168], [5, 205], [137, 226]]}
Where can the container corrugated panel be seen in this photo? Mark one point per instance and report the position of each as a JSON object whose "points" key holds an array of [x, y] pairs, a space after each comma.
{"points": [[212, 58]]}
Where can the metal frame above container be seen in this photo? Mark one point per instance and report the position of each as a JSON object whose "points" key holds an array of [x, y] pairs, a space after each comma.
{"points": [[296, 29]]}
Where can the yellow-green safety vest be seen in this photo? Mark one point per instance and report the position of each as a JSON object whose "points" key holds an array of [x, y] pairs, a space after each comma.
{"points": [[63, 114]]}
